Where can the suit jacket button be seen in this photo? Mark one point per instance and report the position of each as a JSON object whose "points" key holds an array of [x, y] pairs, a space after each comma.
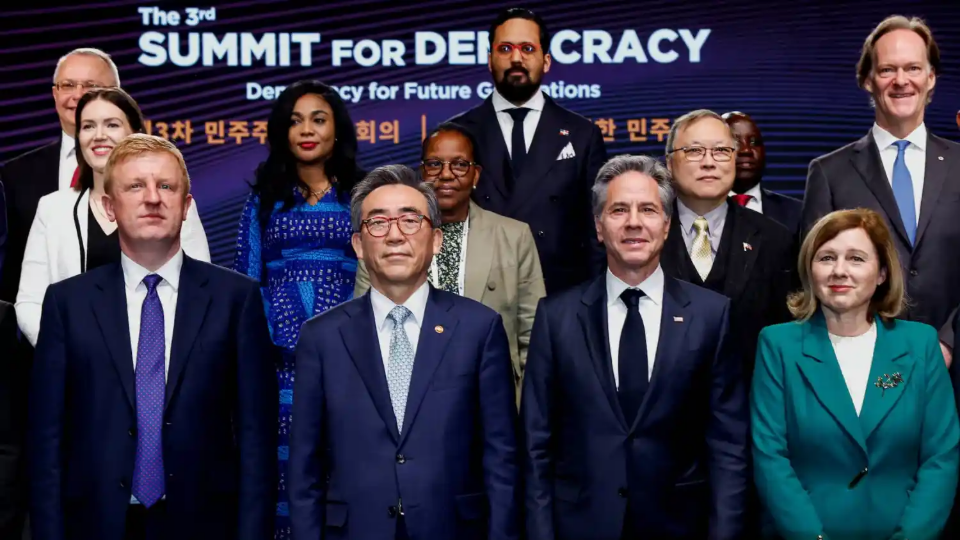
{"points": [[541, 234], [392, 511], [622, 492], [486, 198], [132, 433], [491, 286], [914, 272], [123, 484], [400, 459]]}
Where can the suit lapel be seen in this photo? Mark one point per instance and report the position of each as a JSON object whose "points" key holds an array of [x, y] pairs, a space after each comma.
{"points": [[822, 372], [110, 310], [866, 160], [438, 329], [890, 356], [744, 249], [544, 150], [593, 320], [935, 173], [363, 344], [193, 300], [674, 252], [497, 160], [480, 253], [674, 321]]}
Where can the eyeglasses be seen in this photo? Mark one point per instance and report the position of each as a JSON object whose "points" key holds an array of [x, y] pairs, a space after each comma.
{"points": [[433, 168], [70, 86], [506, 49], [379, 226], [697, 153]]}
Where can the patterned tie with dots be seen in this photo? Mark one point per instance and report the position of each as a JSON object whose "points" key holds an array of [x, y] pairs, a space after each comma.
{"points": [[700, 251], [148, 481], [400, 364]]}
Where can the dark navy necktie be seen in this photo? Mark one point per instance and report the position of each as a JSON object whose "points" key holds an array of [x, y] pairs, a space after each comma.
{"points": [[148, 480], [518, 144], [632, 365]]}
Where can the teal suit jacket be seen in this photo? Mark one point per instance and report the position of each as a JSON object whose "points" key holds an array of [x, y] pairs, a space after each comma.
{"points": [[822, 470]]}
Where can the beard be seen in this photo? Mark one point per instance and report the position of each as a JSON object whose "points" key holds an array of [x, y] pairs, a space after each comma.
{"points": [[516, 91]]}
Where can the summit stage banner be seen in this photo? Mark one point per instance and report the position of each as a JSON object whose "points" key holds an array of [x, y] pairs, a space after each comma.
{"points": [[206, 75]]}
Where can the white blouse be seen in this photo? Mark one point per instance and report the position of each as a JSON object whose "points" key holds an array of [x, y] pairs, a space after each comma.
{"points": [[855, 356]]}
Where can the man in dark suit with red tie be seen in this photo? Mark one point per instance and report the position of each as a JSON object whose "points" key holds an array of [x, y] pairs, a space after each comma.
{"points": [[50, 167], [153, 399], [539, 158], [634, 407]]}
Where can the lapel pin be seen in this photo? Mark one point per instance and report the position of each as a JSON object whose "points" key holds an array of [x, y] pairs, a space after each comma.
{"points": [[438, 329], [888, 381], [565, 133], [678, 319], [940, 158], [747, 247]]}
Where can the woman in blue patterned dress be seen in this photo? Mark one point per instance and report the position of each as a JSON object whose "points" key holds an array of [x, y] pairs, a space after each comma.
{"points": [[295, 230]]}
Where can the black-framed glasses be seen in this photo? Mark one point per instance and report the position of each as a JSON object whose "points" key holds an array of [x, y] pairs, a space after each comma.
{"points": [[697, 153], [433, 168], [70, 86], [379, 226]]}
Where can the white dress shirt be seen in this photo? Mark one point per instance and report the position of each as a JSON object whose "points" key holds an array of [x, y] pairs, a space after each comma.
{"points": [[715, 220], [756, 203], [136, 290], [417, 304], [68, 160], [501, 105], [915, 156], [651, 311], [855, 356]]}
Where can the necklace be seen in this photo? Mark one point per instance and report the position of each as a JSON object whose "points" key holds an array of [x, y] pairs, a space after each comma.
{"points": [[318, 194]]}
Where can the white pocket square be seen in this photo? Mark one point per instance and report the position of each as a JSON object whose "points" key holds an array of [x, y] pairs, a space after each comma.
{"points": [[567, 152]]}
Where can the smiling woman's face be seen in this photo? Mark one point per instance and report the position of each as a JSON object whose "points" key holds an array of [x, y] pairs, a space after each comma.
{"points": [[102, 126]]}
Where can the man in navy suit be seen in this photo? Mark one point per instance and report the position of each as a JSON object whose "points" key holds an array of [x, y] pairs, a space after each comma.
{"points": [[751, 163], [539, 158], [404, 399], [633, 405], [153, 398]]}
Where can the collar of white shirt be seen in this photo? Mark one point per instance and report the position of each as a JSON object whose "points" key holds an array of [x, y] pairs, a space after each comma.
{"points": [[753, 192], [715, 218], [652, 287], [884, 138], [417, 304], [535, 103], [67, 145], [133, 273]]}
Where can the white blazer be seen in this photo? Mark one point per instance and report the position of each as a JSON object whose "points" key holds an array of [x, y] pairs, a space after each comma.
{"points": [[53, 251]]}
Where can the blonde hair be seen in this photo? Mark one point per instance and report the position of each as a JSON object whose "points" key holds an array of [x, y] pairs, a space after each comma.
{"points": [[137, 145], [868, 55], [889, 298]]}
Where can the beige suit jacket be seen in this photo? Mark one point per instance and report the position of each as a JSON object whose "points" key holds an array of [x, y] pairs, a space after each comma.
{"points": [[503, 273]]}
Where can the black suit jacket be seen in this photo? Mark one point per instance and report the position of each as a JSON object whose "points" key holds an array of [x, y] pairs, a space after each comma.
{"points": [[25, 179], [782, 209], [220, 410], [853, 177], [552, 196], [679, 468], [13, 408], [756, 259]]}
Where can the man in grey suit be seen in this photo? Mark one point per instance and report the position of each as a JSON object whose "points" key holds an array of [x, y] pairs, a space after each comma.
{"points": [[899, 169]]}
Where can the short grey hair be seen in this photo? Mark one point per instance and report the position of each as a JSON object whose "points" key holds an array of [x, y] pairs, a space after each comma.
{"points": [[391, 175], [645, 165], [89, 51], [693, 117]]}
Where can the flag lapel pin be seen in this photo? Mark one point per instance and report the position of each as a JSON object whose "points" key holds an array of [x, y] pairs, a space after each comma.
{"points": [[678, 319], [747, 247], [564, 132]]}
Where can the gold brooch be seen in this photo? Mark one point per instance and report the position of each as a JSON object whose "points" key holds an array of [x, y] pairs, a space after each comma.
{"points": [[888, 381]]}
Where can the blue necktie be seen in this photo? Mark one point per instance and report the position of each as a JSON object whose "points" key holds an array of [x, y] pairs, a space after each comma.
{"points": [[148, 482], [903, 191]]}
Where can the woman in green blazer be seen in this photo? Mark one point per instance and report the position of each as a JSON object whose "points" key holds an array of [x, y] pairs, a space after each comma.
{"points": [[855, 430]]}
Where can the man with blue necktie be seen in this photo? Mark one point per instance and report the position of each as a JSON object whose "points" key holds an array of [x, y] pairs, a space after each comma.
{"points": [[899, 169], [153, 396], [404, 399]]}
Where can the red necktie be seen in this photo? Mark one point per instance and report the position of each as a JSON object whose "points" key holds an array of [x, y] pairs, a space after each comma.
{"points": [[75, 182], [742, 199]]}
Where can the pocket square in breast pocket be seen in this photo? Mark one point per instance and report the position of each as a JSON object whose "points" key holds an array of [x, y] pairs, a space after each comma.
{"points": [[567, 152]]}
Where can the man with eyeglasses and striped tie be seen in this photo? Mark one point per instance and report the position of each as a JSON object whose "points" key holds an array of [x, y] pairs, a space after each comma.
{"points": [[405, 416]]}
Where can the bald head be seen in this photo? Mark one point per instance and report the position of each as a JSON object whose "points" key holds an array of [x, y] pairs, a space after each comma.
{"points": [[751, 153]]}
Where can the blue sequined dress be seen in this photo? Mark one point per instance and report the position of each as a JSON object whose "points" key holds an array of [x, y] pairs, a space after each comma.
{"points": [[310, 268]]}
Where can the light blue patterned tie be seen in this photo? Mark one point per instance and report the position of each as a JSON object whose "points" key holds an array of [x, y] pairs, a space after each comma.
{"points": [[148, 481], [903, 191], [400, 364]]}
